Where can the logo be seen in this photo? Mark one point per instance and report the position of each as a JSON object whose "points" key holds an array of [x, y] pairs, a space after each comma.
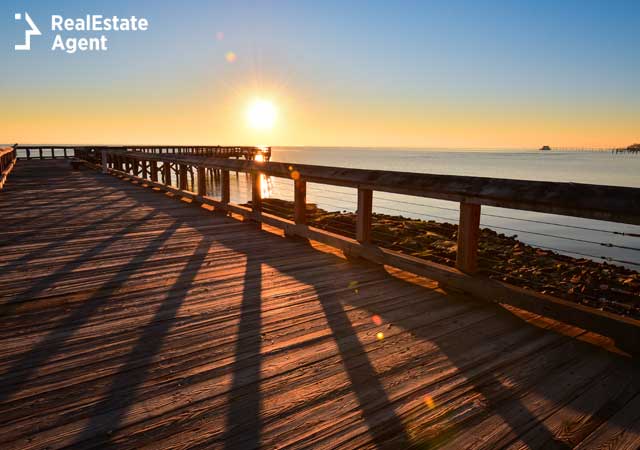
{"points": [[32, 31]]}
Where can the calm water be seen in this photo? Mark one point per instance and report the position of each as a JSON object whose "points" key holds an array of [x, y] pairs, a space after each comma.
{"points": [[580, 167]]}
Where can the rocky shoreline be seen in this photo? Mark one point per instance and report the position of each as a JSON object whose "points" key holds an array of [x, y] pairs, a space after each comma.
{"points": [[605, 286]]}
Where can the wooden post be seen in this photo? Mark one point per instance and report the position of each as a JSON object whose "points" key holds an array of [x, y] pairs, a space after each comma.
{"points": [[202, 185], [300, 198], [105, 168], [182, 177], [225, 187], [28, 154], [166, 170], [154, 171], [256, 196], [144, 169], [363, 223], [468, 234]]}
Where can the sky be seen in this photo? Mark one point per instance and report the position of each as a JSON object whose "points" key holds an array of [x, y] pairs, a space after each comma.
{"points": [[444, 74]]}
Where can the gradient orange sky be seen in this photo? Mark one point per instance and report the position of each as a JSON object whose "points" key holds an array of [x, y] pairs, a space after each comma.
{"points": [[366, 74]]}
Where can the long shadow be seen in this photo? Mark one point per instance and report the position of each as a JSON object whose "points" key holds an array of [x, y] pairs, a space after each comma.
{"points": [[10, 223], [244, 423], [243, 414], [40, 230], [22, 370], [108, 413], [43, 283], [244, 420], [60, 241]]}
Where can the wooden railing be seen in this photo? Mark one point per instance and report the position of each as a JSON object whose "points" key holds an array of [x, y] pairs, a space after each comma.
{"points": [[615, 204], [7, 161], [89, 153]]}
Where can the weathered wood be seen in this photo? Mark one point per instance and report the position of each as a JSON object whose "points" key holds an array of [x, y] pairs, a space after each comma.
{"points": [[225, 187], [468, 235], [363, 219], [105, 164], [145, 172], [166, 171], [613, 203], [256, 196], [300, 201], [154, 170], [147, 322], [625, 331], [7, 162], [202, 182], [182, 177]]}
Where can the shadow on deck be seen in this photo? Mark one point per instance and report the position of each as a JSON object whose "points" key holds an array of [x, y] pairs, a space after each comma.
{"points": [[131, 319]]}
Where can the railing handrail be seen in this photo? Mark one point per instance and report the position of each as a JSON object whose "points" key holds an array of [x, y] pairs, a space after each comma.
{"points": [[601, 202]]}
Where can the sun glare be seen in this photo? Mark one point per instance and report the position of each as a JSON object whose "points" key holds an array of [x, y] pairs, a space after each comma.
{"points": [[261, 115]]}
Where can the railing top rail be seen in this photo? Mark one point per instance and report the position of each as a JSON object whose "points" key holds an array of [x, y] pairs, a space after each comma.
{"points": [[609, 203], [136, 147], [5, 150]]}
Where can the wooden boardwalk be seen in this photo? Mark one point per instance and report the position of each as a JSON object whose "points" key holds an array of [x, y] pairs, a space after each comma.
{"points": [[135, 320]]}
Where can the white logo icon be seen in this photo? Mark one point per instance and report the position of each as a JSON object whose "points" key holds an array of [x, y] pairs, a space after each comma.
{"points": [[33, 31]]}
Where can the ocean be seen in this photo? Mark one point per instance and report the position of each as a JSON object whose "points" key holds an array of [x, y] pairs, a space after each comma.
{"points": [[576, 237]]}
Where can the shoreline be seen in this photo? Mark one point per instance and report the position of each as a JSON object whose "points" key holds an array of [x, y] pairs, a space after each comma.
{"points": [[605, 286]]}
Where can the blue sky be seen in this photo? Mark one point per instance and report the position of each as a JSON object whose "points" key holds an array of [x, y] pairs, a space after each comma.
{"points": [[567, 61]]}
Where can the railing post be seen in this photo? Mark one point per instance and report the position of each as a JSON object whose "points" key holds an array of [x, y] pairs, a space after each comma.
{"points": [[225, 187], [105, 168], [166, 170], [202, 185], [28, 154], [154, 171], [256, 196], [363, 220], [468, 234], [144, 169], [300, 202], [182, 177]]}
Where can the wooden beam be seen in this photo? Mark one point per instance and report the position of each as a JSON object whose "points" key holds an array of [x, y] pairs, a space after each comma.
{"points": [[363, 220], [166, 170], [202, 181], [300, 201], [468, 235], [612, 203], [105, 165], [225, 187], [182, 177], [154, 170], [256, 195]]}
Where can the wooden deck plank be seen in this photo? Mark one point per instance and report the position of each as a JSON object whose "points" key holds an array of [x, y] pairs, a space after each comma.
{"points": [[131, 318]]}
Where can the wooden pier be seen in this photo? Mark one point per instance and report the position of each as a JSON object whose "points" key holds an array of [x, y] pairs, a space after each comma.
{"points": [[136, 313]]}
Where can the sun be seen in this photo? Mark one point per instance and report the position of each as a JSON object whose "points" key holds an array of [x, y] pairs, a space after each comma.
{"points": [[261, 114]]}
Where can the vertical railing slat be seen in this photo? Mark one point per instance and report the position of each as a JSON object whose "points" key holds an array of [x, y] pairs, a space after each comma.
{"points": [[468, 235], [363, 220], [300, 201]]}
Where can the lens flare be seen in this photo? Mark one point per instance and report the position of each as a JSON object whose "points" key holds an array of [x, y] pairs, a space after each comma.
{"points": [[376, 319], [380, 335], [429, 402]]}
